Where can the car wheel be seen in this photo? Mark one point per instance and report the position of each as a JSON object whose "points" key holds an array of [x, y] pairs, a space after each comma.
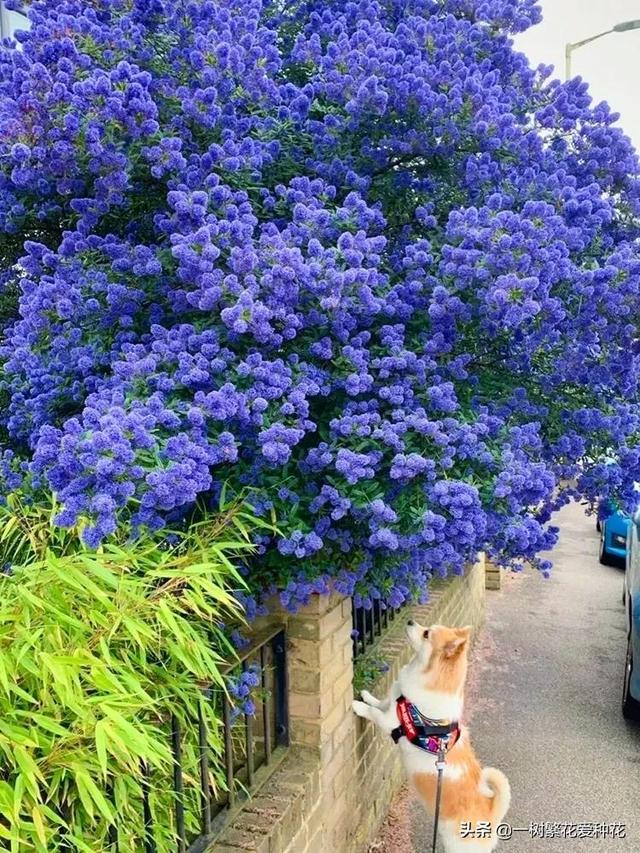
{"points": [[630, 706], [603, 555], [598, 525]]}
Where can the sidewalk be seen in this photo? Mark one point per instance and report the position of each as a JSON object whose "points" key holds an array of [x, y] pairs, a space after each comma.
{"points": [[543, 704]]}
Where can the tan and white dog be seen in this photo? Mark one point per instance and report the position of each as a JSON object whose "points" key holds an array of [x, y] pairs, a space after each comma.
{"points": [[474, 800]]}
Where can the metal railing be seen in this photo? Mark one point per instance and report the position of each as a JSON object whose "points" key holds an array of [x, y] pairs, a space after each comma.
{"points": [[369, 623], [252, 746], [269, 729]]}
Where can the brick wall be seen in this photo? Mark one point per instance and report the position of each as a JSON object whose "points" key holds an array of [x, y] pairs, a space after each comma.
{"points": [[333, 788]]}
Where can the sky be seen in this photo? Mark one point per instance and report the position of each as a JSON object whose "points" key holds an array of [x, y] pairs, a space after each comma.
{"points": [[611, 65]]}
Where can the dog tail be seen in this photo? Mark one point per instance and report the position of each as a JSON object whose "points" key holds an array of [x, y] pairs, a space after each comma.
{"points": [[493, 783]]}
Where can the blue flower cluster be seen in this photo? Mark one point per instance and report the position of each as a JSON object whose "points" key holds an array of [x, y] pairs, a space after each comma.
{"points": [[357, 260], [241, 689]]}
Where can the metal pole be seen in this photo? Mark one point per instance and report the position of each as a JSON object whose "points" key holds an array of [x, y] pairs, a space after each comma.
{"points": [[623, 27], [571, 46]]}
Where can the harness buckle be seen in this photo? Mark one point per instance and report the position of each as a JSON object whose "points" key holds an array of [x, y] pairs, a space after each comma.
{"points": [[442, 752]]}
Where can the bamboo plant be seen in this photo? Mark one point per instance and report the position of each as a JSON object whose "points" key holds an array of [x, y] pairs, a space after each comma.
{"points": [[97, 651]]}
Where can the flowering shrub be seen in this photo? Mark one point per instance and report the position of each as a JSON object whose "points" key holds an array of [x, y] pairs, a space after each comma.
{"points": [[357, 257]]}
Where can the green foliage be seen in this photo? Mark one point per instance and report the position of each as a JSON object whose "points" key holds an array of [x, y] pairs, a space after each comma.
{"points": [[97, 650], [367, 669]]}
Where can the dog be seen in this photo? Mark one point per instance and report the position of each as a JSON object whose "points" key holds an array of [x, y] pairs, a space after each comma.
{"points": [[422, 713]]}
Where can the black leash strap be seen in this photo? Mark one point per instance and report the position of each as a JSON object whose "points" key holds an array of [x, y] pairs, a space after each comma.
{"points": [[440, 766]]}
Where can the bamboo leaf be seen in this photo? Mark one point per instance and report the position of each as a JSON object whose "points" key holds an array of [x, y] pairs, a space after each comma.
{"points": [[81, 777], [28, 766], [44, 722], [38, 822], [100, 735], [90, 793]]}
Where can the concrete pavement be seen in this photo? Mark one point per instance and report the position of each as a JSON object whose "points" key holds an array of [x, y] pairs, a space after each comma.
{"points": [[543, 704]]}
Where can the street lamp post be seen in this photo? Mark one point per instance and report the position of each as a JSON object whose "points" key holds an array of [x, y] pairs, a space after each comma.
{"points": [[571, 46]]}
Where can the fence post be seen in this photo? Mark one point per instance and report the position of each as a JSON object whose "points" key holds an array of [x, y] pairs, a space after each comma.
{"points": [[320, 714], [493, 575]]}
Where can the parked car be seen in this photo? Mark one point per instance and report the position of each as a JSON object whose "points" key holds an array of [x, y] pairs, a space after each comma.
{"points": [[631, 600], [613, 536]]}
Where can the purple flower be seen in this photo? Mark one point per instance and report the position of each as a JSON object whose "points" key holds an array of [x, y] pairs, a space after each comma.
{"points": [[359, 265]]}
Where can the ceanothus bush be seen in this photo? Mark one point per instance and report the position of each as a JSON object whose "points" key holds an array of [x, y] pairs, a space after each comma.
{"points": [[355, 260]]}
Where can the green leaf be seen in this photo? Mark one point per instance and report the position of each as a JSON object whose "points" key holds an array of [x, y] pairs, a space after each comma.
{"points": [[36, 815], [90, 793], [101, 735], [81, 777], [27, 764], [46, 723]]}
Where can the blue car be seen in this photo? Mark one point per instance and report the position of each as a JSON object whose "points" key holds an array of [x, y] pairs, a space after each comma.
{"points": [[631, 600], [613, 537]]}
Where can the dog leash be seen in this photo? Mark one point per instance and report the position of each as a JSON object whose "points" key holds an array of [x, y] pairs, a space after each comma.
{"points": [[440, 767], [428, 735]]}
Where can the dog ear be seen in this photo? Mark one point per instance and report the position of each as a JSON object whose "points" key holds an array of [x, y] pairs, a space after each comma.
{"points": [[454, 647]]}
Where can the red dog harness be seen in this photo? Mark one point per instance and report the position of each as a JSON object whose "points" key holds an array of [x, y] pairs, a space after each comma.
{"points": [[434, 736]]}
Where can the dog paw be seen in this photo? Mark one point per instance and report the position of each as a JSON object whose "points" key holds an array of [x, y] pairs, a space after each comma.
{"points": [[369, 698], [360, 708]]}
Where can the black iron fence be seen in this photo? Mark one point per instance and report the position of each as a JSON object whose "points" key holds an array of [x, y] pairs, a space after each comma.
{"points": [[261, 735], [369, 623], [251, 746]]}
